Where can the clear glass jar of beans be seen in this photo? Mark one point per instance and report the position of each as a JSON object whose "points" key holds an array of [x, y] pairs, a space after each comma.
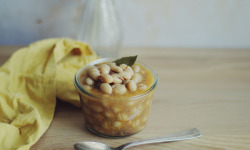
{"points": [[116, 99]]}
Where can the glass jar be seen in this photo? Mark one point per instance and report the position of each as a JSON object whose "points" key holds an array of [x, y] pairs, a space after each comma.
{"points": [[101, 27], [115, 116]]}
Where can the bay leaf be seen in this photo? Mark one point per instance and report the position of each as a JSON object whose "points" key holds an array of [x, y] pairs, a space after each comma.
{"points": [[130, 60]]}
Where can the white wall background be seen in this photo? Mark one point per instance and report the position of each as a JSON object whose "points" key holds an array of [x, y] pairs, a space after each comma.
{"points": [[146, 23]]}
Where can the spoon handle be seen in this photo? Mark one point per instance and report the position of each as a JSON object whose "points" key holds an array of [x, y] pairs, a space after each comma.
{"points": [[188, 134]]}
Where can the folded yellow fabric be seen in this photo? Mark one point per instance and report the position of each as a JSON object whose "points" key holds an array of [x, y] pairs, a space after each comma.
{"points": [[30, 81]]}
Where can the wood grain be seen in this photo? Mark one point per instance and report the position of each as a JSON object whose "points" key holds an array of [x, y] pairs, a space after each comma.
{"points": [[204, 88]]}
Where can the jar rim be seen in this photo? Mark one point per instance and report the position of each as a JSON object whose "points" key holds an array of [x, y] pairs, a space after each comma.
{"points": [[82, 90]]}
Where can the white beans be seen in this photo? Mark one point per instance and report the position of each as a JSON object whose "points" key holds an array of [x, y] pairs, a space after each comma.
{"points": [[137, 77], [142, 86], [104, 69], [116, 109], [119, 89], [132, 85], [117, 78], [90, 67], [123, 117], [108, 114], [116, 69], [123, 66], [87, 87], [110, 78], [106, 78], [111, 64], [97, 108], [94, 75], [129, 70], [106, 88], [93, 69], [113, 116], [136, 123], [117, 124], [89, 81], [136, 68], [125, 75]]}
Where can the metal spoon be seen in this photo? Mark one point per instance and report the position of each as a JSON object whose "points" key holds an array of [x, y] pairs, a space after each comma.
{"points": [[91, 145]]}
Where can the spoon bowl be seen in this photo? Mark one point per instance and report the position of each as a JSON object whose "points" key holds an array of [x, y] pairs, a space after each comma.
{"points": [[91, 145], [184, 135]]}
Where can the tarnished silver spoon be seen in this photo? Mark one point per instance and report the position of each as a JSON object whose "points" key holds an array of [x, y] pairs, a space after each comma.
{"points": [[91, 145]]}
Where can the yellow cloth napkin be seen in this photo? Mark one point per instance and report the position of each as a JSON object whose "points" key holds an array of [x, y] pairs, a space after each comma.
{"points": [[30, 81]]}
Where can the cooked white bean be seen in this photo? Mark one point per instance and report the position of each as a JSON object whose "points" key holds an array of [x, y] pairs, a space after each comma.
{"points": [[89, 81], [105, 103], [106, 88], [130, 70], [136, 123], [97, 108], [122, 78], [137, 77], [116, 69], [94, 74], [104, 69], [123, 117], [116, 109], [142, 86], [87, 87], [132, 85], [136, 68], [119, 89], [142, 71], [126, 75], [90, 67], [93, 69], [106, 78], [108, 114], [117, 124], [112, 64], [117, 78], [115, 85], [123, 66]]}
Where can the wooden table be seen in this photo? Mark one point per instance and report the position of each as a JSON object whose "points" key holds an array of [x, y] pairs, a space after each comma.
{"points": [[204, 88]]}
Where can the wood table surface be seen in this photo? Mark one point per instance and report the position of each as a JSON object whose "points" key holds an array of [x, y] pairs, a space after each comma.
{"points": [[204, 88]]}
